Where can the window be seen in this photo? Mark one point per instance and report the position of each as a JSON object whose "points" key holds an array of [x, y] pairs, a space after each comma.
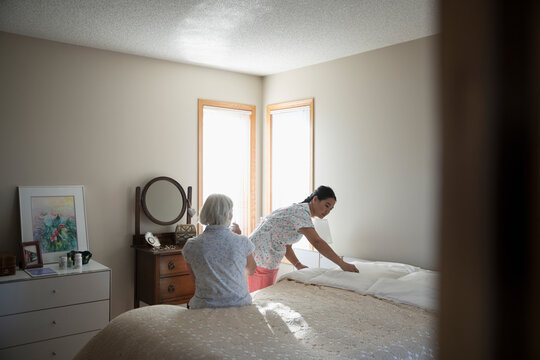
{"points": [[227, 157], [289, 155]]}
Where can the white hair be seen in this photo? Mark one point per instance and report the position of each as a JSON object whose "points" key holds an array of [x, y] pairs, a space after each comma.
{"points": [[217, 210]]}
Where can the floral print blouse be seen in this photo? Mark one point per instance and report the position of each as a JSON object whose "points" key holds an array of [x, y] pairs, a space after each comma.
{"points": [[277, 230]]}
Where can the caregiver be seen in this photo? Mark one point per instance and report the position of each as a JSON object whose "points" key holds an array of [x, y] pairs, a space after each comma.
{"points": [[276, 233]]}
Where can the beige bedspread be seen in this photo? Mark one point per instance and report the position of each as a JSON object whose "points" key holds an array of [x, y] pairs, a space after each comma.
{"points": [[289, 320]]}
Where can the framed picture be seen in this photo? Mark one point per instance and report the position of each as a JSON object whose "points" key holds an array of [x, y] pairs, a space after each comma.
{"points": [[53, 216], [31, 255]]}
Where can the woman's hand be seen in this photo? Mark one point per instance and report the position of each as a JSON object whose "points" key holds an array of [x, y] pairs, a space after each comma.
{"points": [[348, 267], [235, 228], [300, 266], [251, 265]]}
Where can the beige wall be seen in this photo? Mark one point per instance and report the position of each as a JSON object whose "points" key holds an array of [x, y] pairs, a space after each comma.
{"points": [[376, 144], [78, 116]]}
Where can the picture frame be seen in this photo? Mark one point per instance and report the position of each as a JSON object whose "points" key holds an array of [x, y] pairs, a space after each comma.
{"points": [[31, 255], [55, 217]]}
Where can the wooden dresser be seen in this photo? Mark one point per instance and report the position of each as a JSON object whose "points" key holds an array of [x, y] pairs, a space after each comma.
{"points": [[162, 277], [53, 316]]}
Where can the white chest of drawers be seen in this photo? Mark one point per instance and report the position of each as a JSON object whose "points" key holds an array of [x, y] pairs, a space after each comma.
{"points": [[53, 316]]}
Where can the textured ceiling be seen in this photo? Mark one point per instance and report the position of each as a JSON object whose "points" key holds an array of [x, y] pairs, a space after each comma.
{"points": [[258, 37]]}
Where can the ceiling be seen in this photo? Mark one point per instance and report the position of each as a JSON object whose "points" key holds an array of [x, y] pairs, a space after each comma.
{"points": [[259, 37]]}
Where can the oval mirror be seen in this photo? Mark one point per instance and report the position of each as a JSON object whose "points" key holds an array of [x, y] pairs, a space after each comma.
{"points": [[163, 200]]}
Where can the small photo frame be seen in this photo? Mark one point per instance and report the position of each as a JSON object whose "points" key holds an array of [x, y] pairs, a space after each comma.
{"points": [[54, 216], [31, 255]]}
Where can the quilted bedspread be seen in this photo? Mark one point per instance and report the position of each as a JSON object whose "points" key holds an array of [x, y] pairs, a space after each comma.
{"points": [[289, 320]]}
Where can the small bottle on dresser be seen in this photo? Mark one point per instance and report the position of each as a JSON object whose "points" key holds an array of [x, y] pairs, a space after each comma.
{"points": [[78, 261]]}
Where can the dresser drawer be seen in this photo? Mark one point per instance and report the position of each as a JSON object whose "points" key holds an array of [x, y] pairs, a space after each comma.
{"points": [[172, 265], [64, 348], [176, 286], [35, 326], [36, 294]]}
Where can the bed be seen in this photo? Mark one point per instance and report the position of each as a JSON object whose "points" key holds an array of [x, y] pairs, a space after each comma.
{"points": [[387, 311]]}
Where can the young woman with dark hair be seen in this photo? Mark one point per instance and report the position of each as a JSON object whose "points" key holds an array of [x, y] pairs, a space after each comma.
{"points": [[274, 236]]}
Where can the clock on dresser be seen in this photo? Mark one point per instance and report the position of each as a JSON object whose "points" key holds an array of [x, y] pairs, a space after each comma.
{"points": [[161, 273]]}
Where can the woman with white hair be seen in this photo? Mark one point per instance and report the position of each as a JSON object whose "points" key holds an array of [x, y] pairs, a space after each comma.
{"points": [[219, 259]]}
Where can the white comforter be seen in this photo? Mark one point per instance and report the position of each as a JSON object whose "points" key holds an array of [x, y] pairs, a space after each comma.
{"points": [[401, 283], [290, 320]]}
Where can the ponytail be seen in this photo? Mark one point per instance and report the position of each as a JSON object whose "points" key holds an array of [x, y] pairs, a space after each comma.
{"points": [[322, 192]]}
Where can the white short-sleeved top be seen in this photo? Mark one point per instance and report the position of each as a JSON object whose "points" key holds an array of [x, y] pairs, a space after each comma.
{"points": [[277, 230], [218, 260]]}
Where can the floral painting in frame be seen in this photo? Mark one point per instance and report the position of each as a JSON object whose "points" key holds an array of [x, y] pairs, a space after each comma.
{"points": [[54, 216]]}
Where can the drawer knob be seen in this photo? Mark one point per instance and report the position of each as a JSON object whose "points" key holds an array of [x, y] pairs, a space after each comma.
{"points": [[171, 265], [54, 322], [171, 288], [54, 291], [54, 353]]}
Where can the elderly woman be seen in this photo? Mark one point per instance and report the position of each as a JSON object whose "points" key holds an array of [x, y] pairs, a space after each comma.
{"points": [[219, 259], [274, 236]]}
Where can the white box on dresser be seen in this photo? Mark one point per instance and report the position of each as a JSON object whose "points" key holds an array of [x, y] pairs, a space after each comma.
{"points": [[53, 316]]}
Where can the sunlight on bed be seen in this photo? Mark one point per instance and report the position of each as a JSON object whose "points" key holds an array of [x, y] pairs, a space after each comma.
{"points": [[292, 319]]}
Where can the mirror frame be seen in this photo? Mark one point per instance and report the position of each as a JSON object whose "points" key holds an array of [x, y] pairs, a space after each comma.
{"points": [[182, 193]]}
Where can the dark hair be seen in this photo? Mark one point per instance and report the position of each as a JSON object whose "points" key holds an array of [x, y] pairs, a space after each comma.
{"points": [[322, 192]]}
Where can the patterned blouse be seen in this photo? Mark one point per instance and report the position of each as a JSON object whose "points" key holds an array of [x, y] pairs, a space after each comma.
{"points": [[218, 260], [277, 230]]}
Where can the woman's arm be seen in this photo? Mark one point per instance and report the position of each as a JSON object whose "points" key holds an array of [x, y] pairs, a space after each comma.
{"points": [[250, 265], [325, 249], [291, 256]]}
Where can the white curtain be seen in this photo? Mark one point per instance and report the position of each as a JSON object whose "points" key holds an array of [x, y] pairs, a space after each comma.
{"points": [[226, 158], [291, 156]]}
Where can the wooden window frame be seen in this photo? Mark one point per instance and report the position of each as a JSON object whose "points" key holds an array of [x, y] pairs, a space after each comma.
{"points": [[281, 106], [253, 153]]}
